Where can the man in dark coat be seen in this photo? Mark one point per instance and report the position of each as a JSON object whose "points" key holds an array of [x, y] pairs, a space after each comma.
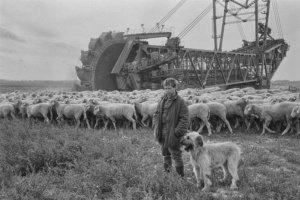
{"points": [[171, 123]]}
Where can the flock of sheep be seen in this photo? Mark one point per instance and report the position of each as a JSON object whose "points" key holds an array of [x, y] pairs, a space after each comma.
{"points": [[210, 107]]}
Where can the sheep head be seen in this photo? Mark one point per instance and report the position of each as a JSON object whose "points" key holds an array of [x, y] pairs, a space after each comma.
{"points": [[98, 110], [54, 103], [296, 112], [248, 110]]}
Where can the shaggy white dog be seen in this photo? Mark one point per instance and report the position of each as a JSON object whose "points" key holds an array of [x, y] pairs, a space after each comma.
{"points": [[204, 157]]}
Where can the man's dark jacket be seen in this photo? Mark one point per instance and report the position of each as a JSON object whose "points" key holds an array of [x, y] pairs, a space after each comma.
{"points": [[177, 121]]}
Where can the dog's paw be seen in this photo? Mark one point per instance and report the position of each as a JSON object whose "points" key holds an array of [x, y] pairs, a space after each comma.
{"points": [[205, 189], [233, 187]]}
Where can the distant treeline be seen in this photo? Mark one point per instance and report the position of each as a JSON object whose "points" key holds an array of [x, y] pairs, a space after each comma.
{"points": [[24, 85], [286, 83], [37, 82]]}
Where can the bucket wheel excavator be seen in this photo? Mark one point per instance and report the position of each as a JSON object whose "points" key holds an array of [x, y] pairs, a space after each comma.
{"points": [[126, 62]]}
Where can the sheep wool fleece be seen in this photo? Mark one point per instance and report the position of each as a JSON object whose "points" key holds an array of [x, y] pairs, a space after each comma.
{"points": [[175, 122]]}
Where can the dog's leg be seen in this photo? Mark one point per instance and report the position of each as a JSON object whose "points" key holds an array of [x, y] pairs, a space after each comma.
{"points": [[225, 171], [206, 175], [197, 172], [232, 168]]}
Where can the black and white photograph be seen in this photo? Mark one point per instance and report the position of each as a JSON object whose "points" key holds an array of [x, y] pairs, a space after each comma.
{"points": [[149, 99]]}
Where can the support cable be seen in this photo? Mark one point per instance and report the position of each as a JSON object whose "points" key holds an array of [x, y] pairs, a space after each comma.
{"points": [[251, 27], [277, 19], [195, 21], [240, 28], [272, 24], [165, 18], [279, 23]]}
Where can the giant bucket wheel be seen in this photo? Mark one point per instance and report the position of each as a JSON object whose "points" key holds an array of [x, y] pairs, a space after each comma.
{"points": [[105, 58]]}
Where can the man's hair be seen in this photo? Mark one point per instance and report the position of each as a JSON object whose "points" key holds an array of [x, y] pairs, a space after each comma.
{"points": [[171, 82]]}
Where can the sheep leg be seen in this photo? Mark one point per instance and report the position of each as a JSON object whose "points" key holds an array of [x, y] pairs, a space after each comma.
{"points": [[201, 127], [287, 128], [78, 123], [88, 124], [247, 122], [208, 128], [114, 122], [143, 119], [105, 124], [46, 119], [271, 131], [298, 127], [207, 124], [51, 114], [97, 122], [148, 122], [266, 124], [220, 123], [29, 118], [257, 127], [237, 120], [228, 124], [133, 122], [12, 114], [264, 129]]}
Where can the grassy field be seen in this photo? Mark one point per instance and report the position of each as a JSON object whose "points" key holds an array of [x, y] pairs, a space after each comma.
{"points": [[50, 162]]}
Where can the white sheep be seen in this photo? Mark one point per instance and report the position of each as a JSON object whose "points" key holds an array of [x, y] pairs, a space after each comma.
{"points": [[236, 109], [39, 110], [116, 111], [219, 110], [270, 112], [70, 111], [146, 109], [201, 111], [7, 110], [296, 114]]}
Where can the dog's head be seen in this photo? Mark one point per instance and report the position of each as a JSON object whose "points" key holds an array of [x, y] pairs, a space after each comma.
{"points": [[192, 140]]}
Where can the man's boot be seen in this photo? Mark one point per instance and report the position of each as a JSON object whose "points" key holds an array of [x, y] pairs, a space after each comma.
{"points": [[167, 167], [180, 170]]}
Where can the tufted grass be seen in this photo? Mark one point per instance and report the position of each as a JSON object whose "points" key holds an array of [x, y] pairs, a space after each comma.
{"points": [[40, 161]]}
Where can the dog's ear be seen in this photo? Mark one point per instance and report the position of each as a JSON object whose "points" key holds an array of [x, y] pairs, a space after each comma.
{"points": [[199, 140]]}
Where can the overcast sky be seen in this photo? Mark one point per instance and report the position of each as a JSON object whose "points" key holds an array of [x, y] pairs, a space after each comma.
{"points": [[42, 39]]}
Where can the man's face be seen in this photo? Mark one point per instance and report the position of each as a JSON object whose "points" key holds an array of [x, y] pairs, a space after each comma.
{"points": [[169, 90]]}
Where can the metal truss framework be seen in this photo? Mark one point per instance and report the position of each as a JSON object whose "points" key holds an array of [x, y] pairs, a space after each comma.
{"points": [[198, 68]]}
